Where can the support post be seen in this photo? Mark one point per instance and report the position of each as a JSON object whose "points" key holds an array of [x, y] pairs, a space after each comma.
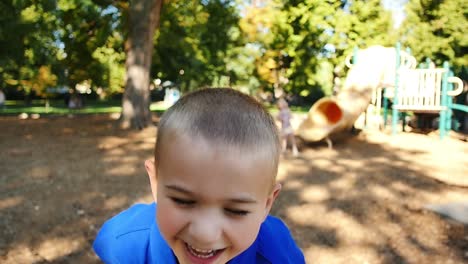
{"points": [[395, 93], [428, 63], [385, 107], [444, 103], [449, 101], [355, 55]]}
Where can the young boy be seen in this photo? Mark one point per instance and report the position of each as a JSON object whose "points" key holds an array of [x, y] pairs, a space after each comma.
{"points": [[213, 177]]}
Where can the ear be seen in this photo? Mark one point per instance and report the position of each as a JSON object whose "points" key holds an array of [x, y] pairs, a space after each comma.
{"points": [[151, 170], [271, 198]]}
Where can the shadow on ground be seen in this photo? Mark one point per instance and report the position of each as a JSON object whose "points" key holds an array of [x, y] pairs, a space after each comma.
{"points": [[363, 202], [360, 202]]}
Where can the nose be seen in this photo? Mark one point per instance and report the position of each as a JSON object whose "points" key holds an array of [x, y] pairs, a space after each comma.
{"points": [[206, 228]]}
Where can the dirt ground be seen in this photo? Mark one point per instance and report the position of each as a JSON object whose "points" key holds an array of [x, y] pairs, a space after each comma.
{"points": [[361, 202]]}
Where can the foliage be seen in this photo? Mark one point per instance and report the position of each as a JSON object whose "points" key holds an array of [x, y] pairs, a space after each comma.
{"points": [[40, 81], [85, 30], [217, 42], [111, 58], [64, 40], [27, 43], [257, 25], [436, 30], [314, 33], [193, 42]]}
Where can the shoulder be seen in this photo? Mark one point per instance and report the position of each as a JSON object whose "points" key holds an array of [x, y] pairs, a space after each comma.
{"points": [[125, 236], [276, 243]]}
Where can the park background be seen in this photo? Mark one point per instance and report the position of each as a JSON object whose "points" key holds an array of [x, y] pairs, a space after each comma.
{"points": [[64, 173]]}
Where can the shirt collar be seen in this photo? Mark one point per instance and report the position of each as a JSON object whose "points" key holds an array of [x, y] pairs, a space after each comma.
{"points": [[248, 256]]}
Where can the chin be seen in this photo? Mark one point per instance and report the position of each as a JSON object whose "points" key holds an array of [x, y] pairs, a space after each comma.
{"points": [[189, 255]]}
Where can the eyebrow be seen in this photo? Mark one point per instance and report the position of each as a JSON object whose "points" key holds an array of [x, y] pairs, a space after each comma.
{"points": [[178, 189], [241, 200]]}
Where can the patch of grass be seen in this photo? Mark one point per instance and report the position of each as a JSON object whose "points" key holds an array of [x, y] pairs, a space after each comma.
{"points": [[296, 109], [58, 107], [300, 109]]}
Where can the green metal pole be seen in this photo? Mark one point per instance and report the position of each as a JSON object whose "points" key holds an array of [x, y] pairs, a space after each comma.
{"points": [[385, 107], [422, 65], [404, 114], [443, 113], [408, 50], [355, 55], [395, 93], [428, 63], [459, 107], [449, 102]]}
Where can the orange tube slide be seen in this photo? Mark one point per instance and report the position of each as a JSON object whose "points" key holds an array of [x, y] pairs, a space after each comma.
{"points": [[375, 68]]}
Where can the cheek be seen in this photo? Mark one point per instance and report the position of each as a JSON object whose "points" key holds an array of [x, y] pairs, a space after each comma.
{"points": [[244, 233], [169, 220]]}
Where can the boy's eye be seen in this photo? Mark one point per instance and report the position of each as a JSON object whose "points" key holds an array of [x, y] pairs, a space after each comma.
{"points": [[184, 202], [236, 212]]}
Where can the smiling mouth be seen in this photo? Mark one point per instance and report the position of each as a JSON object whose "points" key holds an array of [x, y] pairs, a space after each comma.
{"points": [[205, 254]]}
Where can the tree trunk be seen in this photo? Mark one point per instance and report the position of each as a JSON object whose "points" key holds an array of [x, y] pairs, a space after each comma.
{"points": [[143, 19]]}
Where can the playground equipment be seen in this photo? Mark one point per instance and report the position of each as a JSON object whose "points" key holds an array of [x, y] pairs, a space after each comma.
{"points": [[372, 69], [380, 70], [425, 91]]}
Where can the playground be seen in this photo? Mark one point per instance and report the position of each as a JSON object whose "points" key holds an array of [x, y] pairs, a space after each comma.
{"points": [[375, 96], [363, 201]]}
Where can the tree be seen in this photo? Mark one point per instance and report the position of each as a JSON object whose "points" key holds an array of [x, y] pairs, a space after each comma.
{"points": [[143, 19], [316, 33], [360, 24], [194, 42], [190, 48], [436, 29], [27, 45], [258, 27], [84, 29], [53, 42]]}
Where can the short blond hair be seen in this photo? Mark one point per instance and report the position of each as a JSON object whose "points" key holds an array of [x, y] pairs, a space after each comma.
{"points": [[222, 116]]}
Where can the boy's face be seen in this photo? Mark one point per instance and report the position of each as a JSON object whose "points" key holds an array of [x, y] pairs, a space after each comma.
{"points": [[211, 199]]}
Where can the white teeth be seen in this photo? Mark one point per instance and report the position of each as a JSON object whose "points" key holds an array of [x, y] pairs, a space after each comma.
{"points": [[201, 253]]}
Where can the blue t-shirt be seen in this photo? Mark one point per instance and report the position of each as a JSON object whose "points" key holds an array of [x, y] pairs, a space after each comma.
{"points": [[133, 237]]}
